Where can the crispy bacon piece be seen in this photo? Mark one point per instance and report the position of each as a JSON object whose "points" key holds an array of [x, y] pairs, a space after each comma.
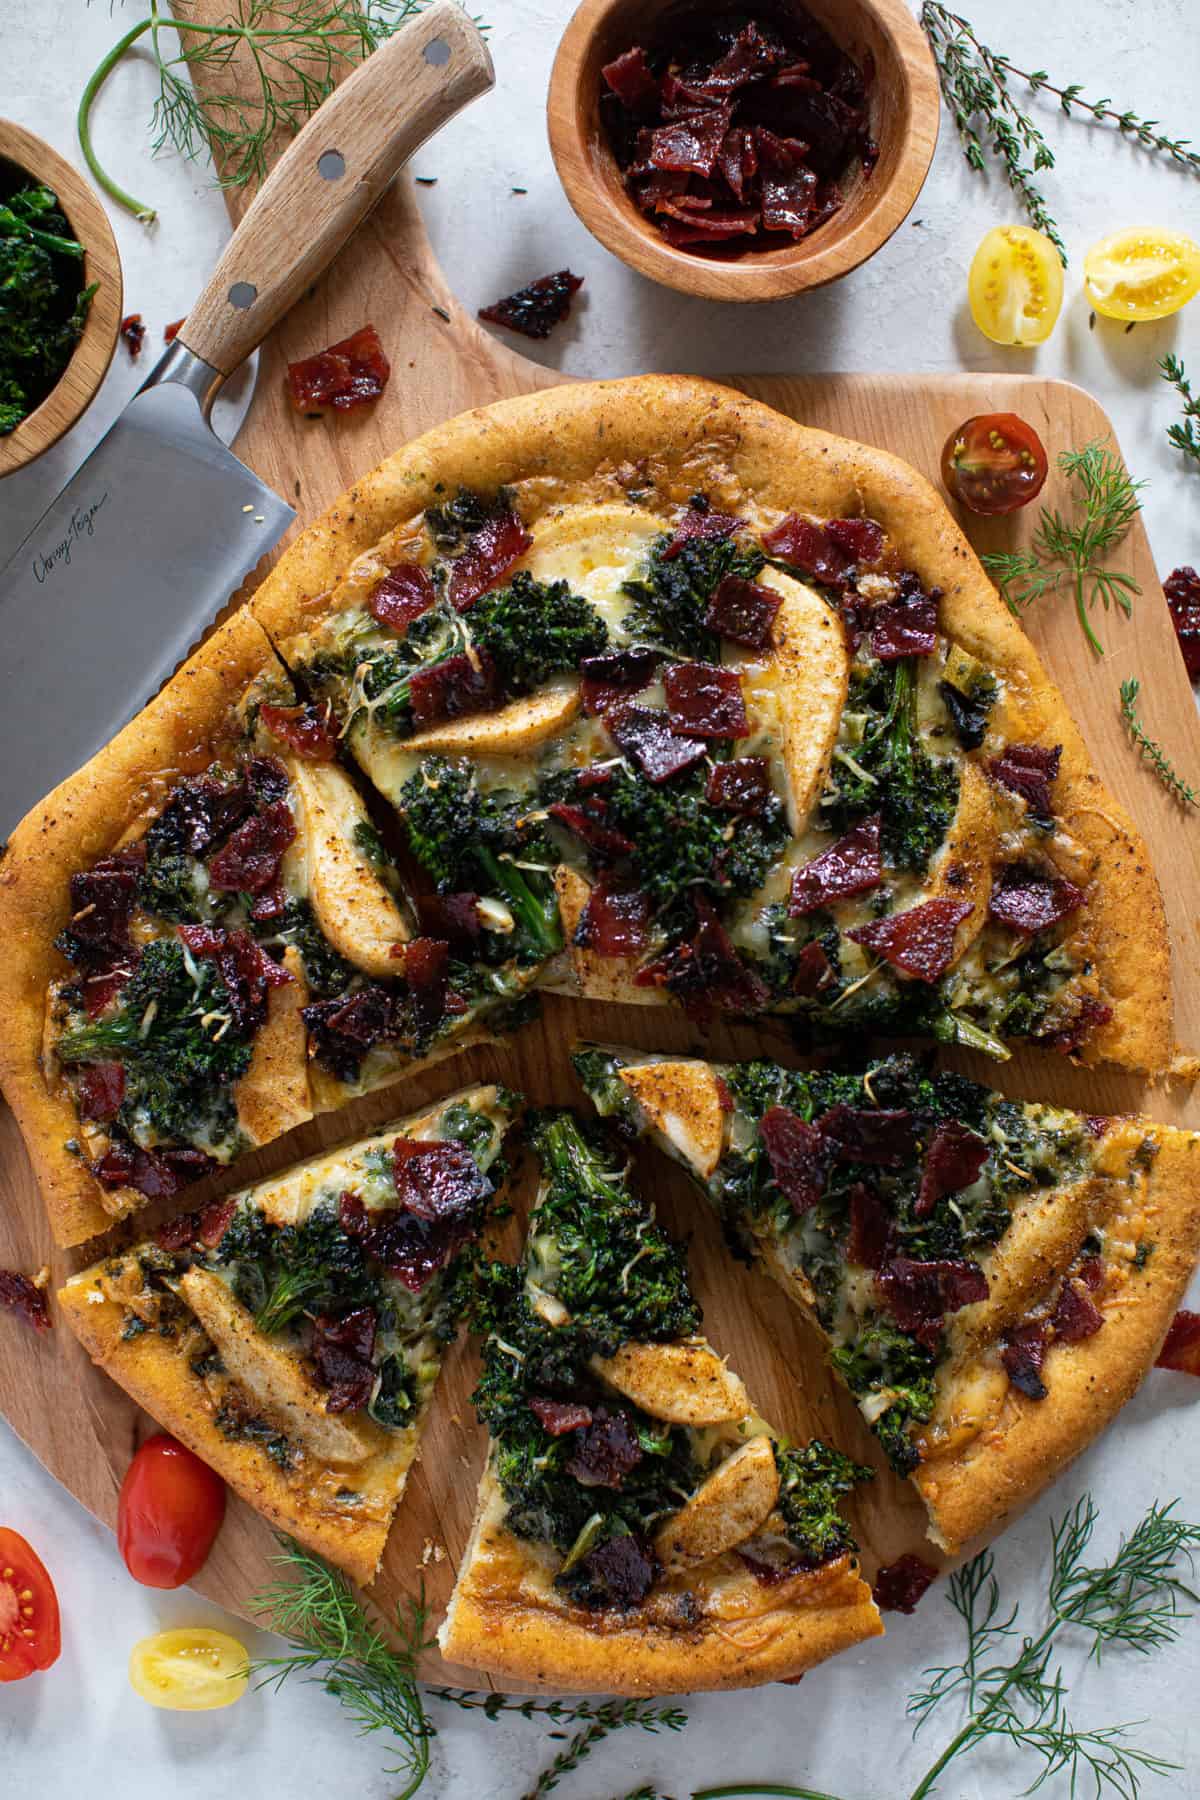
{"points": [[789, 201], [1028, 770], [559, 1416], [806, 545], [403, 595], [22, 1297], [607, 679], [906, 626], [707, 227], [751, 56], [500, 542], [102, 902], [883, 1137], [425, 971], [708, 973], [270, 904], [1181, 1346], [953, 1161], [344, 1029], [1023, 1354], [799, 1156], [630, 79], [348, 374], [607, 1450], [851, 866], [647, 737], [870, 1240], [700, 521], [743, 611], [245, 968], [306, 730], [342, 1353], [900, 1585], [1182, 589], [214, 1221], [450, 689], [249, 860], [98, 990], [588, 826], [437, 1181], [742, 785], [620, 1572], [705, 700], [1076, 1316], [99, 1091], [862, 540], [813, 972], [133, 333], [1089, 1016], [738, 161], [454, 917], [615, 921], [920, 1294], [535, 310], [692, 142], [1028, 901], [177, 1234], [918, 942], [156, 1174]]}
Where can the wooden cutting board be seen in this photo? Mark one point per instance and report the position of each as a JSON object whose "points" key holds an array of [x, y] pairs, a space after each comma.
{"points": [[82, 1426]]}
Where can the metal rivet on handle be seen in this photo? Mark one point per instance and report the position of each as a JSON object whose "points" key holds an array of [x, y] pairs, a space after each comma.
{"points": [[331, 165], [437, 52], [242, 294]]}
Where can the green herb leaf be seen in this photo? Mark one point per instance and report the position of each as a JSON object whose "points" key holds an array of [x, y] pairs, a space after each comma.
{"points": [[1153, 752]]}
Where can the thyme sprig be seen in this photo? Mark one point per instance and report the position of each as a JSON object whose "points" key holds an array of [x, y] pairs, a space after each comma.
{"points": [[975, 82], [612, 1715], [1186, 435], [1071, 551], [296, 48], [1152, 751]]}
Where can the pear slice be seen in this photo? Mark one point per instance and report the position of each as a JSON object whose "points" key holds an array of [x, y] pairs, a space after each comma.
{"points": [[735, 1501], [682, 1384], [352, 906]]}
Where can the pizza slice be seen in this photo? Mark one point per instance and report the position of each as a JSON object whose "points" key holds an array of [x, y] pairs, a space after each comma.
{"points": [[640, 1529], [292, 1334], [991, 1278]]}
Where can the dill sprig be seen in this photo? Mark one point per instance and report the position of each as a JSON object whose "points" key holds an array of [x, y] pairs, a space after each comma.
{"points": [[296, 50], [1184, 436], [975, 82], [1152, 751], [612, 1715], [1071, 550]]}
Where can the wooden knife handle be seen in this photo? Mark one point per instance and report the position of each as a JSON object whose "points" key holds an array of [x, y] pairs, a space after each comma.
{"points": [[332, 174]]}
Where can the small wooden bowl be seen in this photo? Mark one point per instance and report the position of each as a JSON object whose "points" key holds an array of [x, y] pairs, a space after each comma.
{"points": [[904, 111], [77, 385]]}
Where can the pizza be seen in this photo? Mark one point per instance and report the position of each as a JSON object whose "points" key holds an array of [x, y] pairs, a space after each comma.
{"points": [[292, 1334], [640, 1529], [991, 1278], [634, 690]]}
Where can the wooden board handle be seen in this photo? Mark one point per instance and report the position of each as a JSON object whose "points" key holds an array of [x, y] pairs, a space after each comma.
{"points": [[330, 177]]}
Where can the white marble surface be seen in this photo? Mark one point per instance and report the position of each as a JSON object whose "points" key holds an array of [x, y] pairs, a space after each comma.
{"points": [[80, 1727]]}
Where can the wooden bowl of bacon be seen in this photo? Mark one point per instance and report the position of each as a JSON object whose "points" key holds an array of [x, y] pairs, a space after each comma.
{"points": [[743, 154]]}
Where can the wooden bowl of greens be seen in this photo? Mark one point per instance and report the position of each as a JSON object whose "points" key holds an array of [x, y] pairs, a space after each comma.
{"points": [[60, 296]]}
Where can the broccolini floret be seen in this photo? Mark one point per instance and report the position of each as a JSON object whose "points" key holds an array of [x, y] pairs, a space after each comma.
{"points": [[891, 772], [534, 629]]}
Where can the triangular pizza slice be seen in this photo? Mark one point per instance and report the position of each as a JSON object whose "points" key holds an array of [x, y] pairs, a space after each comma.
{"points": [[991, 1277], [292, 1334], [640, 1528]]}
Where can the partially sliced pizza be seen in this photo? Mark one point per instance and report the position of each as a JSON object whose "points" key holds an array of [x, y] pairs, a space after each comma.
{"points": [[640, 1528], [292, 1334], [991, 1277]]}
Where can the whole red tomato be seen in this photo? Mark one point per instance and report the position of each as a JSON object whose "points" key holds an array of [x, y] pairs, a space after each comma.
{"points": [[30, 1636], [170, 1511], [994, 463]]}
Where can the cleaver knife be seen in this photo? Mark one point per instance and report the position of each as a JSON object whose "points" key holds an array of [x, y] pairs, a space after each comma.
{"points": [[130, 565]]}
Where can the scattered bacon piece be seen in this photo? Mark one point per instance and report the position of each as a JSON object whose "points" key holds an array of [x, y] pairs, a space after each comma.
{"points": [[408, 1247], [1023, 1355], [307, 730], [176, 1234], [425, 961], [607, 1451], [862, 540], [348, 374], [919, 1294], [621, 1569], [171, 331], [1089, 1016], [589, 828], [705, 700], [806, 545], [133, 333], [22, 1297], [1028, 770], [270, 904], [437, 1181], [798, 1154], [724, 1095], [881, 1136], [535, 310], [789, 200], [345, 1028], [500, 542], [156, 1174], [1181, 1346], [953, 1161], [813, 972], [402, 596], [918, 942], [743, 611], [647, 736], [900, 1585], [700, 522], [102, 900], [615, 921], [630, 79], [851, 866], [342, 1352], [869, 1242], [447, 690], [705, 227], [455, 917], [249, 861], [607, 679], [742, 785], [692, 142], [245, 968], [99, 1090], [1028, 902], [1076, 1316], [215, 1220], [1182, 589], [905, 627], [559, 1416]]}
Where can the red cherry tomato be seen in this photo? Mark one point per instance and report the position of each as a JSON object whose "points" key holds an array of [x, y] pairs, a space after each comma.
{"points": [[994, 463], [170, 1511], [30, 1636]]}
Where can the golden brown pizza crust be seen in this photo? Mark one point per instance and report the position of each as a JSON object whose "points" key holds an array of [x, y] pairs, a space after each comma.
{"points": [[505, 1618]]}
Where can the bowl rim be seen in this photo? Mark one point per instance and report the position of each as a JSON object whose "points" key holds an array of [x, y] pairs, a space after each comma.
{"points": [[789, 269], [88, 363]]}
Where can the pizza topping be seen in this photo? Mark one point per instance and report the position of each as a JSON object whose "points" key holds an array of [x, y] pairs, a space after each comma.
{"points": [[799, 1155], [342, 1353], [26, 1300], [1089, 1015], [155, 1174], [743, 611], [249, 860], [1028, 770], [899, 1586], [404, 594], [348, 374], [742, 785], [500, 541], [708, 971], [454, 917], [559, 1416], [1023, 1355], [883, 1137], [918, 1295], [648, 738], [705, 700], [437, 1182], [812, 972], [851, 866], [448, 689], [699, 521], [619, 1572], [245, 968], [918, 942], [1181, 1346], [99, 1091], [615, 921], [535, 310], [1075, 1316], [1028, 901], [607, 1451], [425, 970], [806, 545], [306, 730], [1182, 589], [954, 1161], [906, 626], [587, 824], [102, 902], [869, 1242], [411, 1249]]}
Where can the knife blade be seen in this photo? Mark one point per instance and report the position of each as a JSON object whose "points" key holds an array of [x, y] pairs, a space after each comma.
{"points": [[130, 565]]}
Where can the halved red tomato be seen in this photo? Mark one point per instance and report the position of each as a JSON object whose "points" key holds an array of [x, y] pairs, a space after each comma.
{"points": [[994, 463], [170, 1510], [30, 1633]]}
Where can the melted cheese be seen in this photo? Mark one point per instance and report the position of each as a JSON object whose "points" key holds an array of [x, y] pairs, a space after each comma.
{"points": [[594, 549]]}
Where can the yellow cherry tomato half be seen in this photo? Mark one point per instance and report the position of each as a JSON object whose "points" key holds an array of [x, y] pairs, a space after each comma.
{"points": [[1015, 287], [1142, 274], [189, 1670]]}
